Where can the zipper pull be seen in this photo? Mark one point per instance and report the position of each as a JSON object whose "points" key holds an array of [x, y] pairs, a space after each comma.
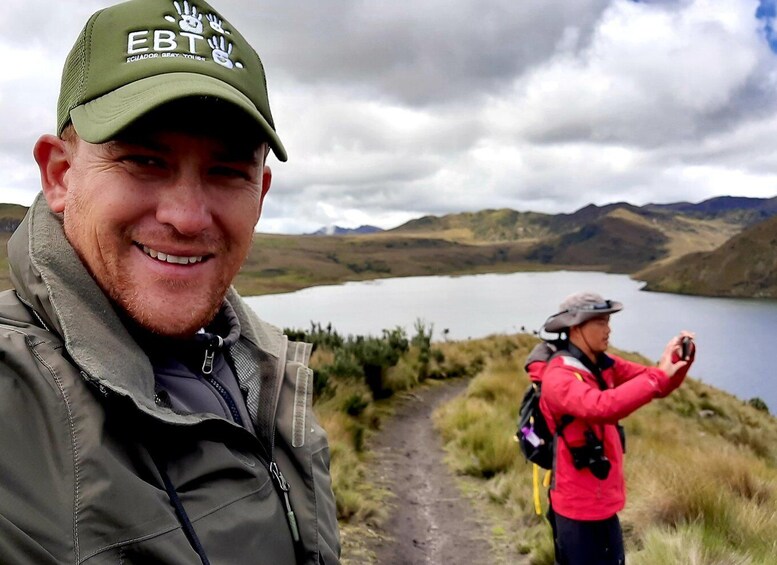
{"points": [[284, 486], [210, 353]]}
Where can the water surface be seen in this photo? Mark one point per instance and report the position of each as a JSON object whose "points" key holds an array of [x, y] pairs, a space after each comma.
{"points": [[734, 336]]}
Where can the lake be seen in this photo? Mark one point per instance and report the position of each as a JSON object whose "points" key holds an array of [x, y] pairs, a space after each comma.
{"points": [[732, 335]]}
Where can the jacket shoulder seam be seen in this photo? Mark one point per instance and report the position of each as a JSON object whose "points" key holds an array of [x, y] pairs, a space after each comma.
{"points": [[32, 341]]}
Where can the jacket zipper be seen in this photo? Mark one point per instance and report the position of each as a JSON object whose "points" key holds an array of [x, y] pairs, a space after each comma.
{"points": [[213, 345], [227, 398], [284, 486], [207, 370]]}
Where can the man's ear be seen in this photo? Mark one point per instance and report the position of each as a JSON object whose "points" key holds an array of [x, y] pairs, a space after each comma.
{"points": [[53, 158], [266, 182]]}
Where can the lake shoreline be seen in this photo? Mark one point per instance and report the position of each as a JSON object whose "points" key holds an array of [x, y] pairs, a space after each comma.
{"points": [[732, 333]]}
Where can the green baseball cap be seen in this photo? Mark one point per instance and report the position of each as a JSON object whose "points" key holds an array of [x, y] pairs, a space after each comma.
{"points": [[134, 57]]}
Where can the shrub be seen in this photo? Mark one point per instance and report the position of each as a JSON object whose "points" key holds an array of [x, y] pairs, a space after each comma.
{"points": [[758, 404], [320, 383], [355, 404]]}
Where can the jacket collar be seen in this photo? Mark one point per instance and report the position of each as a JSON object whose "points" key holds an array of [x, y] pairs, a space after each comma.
{"points": [[50, 278]]}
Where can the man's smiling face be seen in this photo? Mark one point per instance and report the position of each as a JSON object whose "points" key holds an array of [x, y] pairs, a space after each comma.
{"points": [[163, 218]]}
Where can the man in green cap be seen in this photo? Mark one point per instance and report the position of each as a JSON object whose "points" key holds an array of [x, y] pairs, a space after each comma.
{"points": [[148, 415]]}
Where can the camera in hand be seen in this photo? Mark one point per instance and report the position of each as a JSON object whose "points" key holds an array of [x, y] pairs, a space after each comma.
{"points": [[685, 347], [591, 456]]}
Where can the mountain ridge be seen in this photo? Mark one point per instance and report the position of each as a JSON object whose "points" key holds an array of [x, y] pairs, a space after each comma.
{"points": [[338, 230], [744, 266], [618, 237]]}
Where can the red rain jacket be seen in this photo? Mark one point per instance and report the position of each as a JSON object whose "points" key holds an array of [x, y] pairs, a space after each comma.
{"points": [[568, 387]]}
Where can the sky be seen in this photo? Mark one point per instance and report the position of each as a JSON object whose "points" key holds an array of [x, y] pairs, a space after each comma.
{"points": [[393, 110]]}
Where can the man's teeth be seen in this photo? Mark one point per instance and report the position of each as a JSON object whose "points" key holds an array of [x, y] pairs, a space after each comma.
{"points": [[171, 258]]}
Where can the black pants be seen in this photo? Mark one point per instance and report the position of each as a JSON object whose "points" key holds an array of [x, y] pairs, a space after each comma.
{"points": [[579, 542]]}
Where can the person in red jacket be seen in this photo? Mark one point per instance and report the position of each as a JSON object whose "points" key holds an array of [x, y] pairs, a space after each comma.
{"points": [[585, 392]]}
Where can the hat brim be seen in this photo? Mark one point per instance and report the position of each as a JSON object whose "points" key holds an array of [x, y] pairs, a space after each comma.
{"points": [[99, 120], [564, 320]]}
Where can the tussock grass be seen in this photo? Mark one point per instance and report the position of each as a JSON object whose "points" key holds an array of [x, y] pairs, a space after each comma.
{"points": [[475, 423], [684, 546], [701, 467], [405, 374], [476, 427]]}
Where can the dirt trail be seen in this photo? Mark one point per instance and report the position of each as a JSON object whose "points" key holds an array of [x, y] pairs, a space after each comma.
{"points": [[430, 522]]}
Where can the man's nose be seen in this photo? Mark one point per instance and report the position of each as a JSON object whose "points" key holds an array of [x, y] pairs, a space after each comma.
{"points": [[185, 205]]}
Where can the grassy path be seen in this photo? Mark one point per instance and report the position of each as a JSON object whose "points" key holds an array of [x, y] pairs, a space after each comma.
{"points": [[430, 522]]}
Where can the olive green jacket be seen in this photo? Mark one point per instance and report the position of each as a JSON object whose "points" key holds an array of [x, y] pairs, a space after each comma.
{"points": [[87, 447]]}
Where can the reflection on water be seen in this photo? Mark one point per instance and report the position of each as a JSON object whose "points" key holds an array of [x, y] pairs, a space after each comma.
{"points": [[734, 336]]}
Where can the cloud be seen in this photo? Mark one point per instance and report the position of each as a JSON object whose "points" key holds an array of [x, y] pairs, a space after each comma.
{"points": [[399, 109]]}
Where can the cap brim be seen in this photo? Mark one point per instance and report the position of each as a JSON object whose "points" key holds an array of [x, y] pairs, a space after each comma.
{"points": [[99, 120]]}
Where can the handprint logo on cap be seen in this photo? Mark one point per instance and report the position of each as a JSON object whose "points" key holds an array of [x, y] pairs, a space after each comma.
{"points": [[191, 20], [216, 24], [222, 49]]}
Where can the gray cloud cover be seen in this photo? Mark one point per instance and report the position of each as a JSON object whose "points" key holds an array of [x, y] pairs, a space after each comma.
{"points": [[392, 110]]}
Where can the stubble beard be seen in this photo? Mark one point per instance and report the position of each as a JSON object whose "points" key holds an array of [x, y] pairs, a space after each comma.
{"points": [[173, 317], [176, 318]]}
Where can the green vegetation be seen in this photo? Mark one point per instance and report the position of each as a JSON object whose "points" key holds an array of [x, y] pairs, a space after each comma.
{"points": [[353, 377], [701, 468]]}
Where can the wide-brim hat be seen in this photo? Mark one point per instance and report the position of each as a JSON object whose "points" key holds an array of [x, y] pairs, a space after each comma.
{"points": [[578, 309], [135, 57]]}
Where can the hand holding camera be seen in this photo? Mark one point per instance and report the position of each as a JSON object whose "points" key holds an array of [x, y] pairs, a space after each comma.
{"points": [[686, 348], [679, 353]]}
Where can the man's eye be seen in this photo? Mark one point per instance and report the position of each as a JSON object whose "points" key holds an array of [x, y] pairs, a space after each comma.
{"points": [[143, 161], [231, 172]]}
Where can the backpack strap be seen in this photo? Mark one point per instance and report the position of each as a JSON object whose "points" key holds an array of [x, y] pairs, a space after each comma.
{"points": [[603, 362]]}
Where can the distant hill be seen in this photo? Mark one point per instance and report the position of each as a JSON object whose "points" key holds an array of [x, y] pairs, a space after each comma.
{"points": [[744, 266], [11, 216], [747, 211], [615, 242], [485, 226], [337, 230], [618, 237]]}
